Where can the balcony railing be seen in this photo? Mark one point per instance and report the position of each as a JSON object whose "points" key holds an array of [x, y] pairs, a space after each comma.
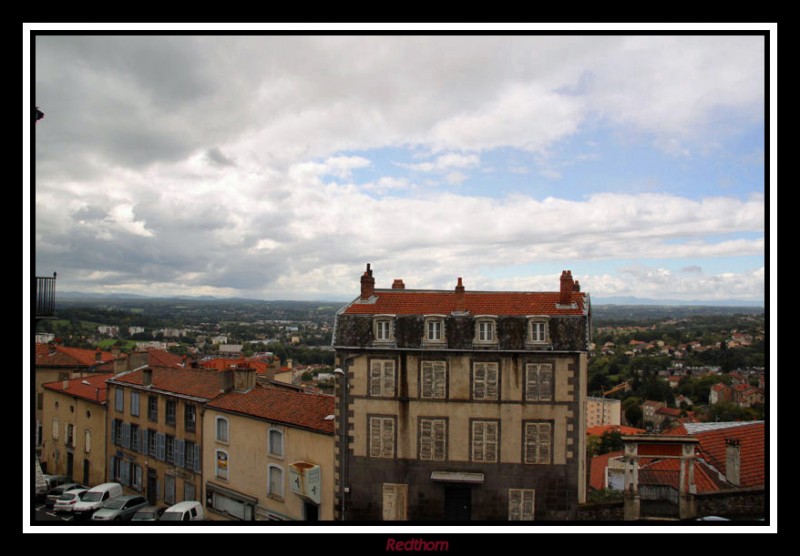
{"points": [[46, 297]]}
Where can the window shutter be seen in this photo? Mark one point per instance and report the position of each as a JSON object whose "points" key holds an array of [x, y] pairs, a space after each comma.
{"points": [[125, 472], [530, 442], [479, 381], [491, 442], [388, 378], [491, 381], [527, 504], [544, 442], [478, 436], [439, 379], [546, 382], [160, 446], [375, 372], [425, 440], [87, 441], [375, 437], [196, 460], [179, 451], [111, 468], [387, 438], [440, 440], [532, 382], [134, 403], [514, 504], [126, 435], [427, 380]]}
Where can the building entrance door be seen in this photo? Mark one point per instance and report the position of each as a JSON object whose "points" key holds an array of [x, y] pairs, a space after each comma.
{"points": [[457, 503], [152, 486], [70, 464]]}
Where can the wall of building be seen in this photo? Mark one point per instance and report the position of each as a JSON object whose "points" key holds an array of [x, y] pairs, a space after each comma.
{"points": [[84, 416], [249, 460]]}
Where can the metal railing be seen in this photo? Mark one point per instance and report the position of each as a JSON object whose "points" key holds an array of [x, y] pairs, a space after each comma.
{"points": [[45, 297]]}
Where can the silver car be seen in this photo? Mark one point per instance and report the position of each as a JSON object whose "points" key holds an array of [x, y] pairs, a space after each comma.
{"points": [[120, 508]]}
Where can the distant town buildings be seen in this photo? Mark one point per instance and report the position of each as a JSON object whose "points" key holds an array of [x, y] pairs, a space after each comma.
{"points": [[603, 411]]}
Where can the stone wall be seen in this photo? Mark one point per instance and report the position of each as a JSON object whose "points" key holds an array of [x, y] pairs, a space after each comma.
{"points": [[740, 503], [604, 511]]}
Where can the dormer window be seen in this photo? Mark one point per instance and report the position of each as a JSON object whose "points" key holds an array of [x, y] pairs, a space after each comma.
{"points": [[485, 330], [538, 331], [434, 330], [383, 329]]}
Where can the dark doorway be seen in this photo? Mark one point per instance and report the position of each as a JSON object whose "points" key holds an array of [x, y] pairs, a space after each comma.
{"points": [[457, 503], [70, 464], [85, 472], [152, 486], [311, 511]]}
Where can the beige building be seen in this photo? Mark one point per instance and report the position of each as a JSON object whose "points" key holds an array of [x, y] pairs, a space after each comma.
{"points": [[602, 411], [461, 405], [155, 429], [268, 455], [74, 428]]}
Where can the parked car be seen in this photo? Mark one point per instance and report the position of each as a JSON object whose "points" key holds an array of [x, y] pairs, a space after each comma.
{"points": [[50, 482], [184, 511], [95, 498], [149, 513], [67, 501], [121, 508], [55, 492]]}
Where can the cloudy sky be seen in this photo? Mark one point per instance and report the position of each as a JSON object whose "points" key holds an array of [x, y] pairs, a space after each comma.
{"points": [[276, 167]]}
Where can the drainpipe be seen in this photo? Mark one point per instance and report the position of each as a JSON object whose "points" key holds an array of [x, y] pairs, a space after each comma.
{"points": [[343, 422]]}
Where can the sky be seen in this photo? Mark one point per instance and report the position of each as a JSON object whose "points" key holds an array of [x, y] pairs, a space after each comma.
{"points": [[278, 166]]}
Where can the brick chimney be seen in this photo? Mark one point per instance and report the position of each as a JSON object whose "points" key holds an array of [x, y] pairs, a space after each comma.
{"points": [[733, 462], [459, 302], [367, 284], [398, 284], [566, 288], [147, 377], [98, 355], [244, 378]]}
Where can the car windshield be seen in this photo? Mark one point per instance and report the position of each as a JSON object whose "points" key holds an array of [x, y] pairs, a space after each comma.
{"points": [[67, 496], [93, 496], [114, 504], [172, 516]]}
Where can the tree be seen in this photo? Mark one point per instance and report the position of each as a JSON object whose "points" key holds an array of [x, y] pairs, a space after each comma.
{"points": [[610, 441]]}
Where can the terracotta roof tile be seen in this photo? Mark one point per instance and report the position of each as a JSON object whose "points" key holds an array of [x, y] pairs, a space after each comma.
{"points": [[61, 356], [223, 363], [751, 450], [427, 302], [283, 406], [199, 383], [599, 430], [95, 391]]}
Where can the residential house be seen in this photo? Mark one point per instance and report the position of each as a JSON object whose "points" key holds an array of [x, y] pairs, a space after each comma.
{"points": [[155, 424], [268, 454], [461, 405], [74, 417], [649, 408], [747, 396], [602, 411], [720, 392], [57, 363]]}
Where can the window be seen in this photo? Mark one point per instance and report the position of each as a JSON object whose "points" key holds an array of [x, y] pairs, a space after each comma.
{"points": [[434, 330], [432, 439], [538, 331], [381, 378], [485, 381], [538, 442], [485, 440], [171, 411], [152, 442], [520, 504], [169, 489], [69, 435], [539, 382], [381, 437], [152, 408], [395, 497], [87, 441], [189, 417], [119, 399], [433, 380], [192, 456], [136, 440], [169, 446], [275, 443], [222, 430], [134, 403], [116, 432], [55, 428], [383, 330], [485, 331], [221, 464], [136, 478], [188, 491], [275, 481]]}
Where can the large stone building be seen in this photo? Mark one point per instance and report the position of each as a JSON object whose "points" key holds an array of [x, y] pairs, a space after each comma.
{"points": [[602, 411], [461, 405]]}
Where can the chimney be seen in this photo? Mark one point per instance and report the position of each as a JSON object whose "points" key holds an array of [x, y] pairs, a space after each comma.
{"points": [[244, 378], [367, 284], [398, 284], [732, 461], [121, 364], [576, 287], [566, 288], [147, 377], [64, 384], [459, 303], [98, 355], [289, 363]]}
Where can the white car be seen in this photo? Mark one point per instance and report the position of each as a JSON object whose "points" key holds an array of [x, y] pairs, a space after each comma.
{"points": [[184, 511], [67, 500]]}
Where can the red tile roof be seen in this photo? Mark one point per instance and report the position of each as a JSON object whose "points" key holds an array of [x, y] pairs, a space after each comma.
{"points": [[199, 383], [751, 450], [597, 478], [282, 406], [223, 363], [667, 472], [599, 430], [439, 302], [61, 356], [95, 391]]}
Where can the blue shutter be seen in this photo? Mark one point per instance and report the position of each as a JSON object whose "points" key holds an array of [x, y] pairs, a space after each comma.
{"points": [[134, 403], [136, 439], [145, 440], [126, 435], [111, 468], [179, 451], [196, 458], [124, 473], [161, 446]]}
